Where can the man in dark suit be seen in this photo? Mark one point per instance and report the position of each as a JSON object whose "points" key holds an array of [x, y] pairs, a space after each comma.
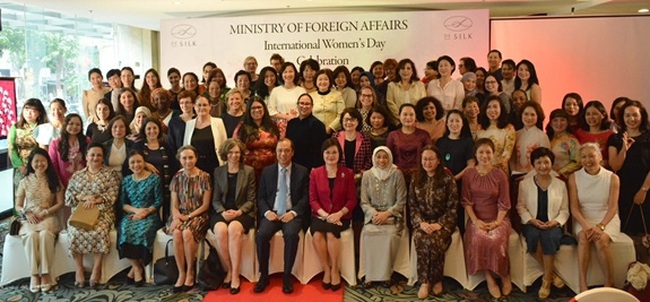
{"points": [[283, 201]]}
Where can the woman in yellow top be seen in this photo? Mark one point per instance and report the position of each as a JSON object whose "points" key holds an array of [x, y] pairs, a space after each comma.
{"points": [[328, 102], [406, 88], [91, 97]]}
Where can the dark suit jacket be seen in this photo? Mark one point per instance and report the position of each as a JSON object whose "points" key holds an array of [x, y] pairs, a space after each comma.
{"points": [[299, 186], [107, 154], [245, 195], [344, 195]]}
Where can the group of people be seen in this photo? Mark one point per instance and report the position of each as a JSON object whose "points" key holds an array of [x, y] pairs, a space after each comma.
{"points": [[303, 148]]}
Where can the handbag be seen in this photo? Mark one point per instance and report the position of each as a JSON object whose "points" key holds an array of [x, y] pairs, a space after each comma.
{"points": [[83, 218], [14, 229], [641, 242], [211, 274], [165, 270]]}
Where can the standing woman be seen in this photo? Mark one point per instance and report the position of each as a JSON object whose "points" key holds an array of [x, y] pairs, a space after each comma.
{"points": [[160, 155], [260, 135], [141, 113], [450, 92], [494, 122], [308, 69], [486, 199], [207, 68], [47, 132], [429, 114], [98, 130], [343, 84], [235, 113], [357, 154], [174, 77], [481, 74], [596, 128], [176, 130], [472, 111], [528, 138], [243, 83], [282, 101], [383, 197], [355, 73], [118, 148], [127, 76], [407, 142], [269, 81], [406, 88], [494, 87], [161, 102], [380, 126], [367, 101], [377, 71], [68, 153], [141, 197], [332, 196], [433, 200], [328, 103], [593, 194], [233, 204], [215, 92], [191, 83], [127, 105], [543, 205], [527, 81], [21, 136], [91, 96], [629, 153], [94, 186], [572, 105], [151, 82], [188, 223], [614, 113], [206, 134], [38, 198], [563, 144]]}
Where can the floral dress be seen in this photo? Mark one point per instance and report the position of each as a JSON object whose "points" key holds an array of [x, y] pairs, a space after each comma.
{"points": [[21, 143], [106, 185], [504, 144], [260, 152], [190, 190]]}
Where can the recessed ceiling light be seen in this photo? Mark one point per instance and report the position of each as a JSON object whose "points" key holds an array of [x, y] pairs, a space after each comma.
{"points": [[644, 10]]}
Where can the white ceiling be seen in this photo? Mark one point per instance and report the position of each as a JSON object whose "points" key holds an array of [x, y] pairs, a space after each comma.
{"points": [[149, 13]]}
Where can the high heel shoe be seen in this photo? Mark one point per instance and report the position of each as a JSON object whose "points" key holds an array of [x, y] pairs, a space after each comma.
{"points": [[129, 280], [79, 284], [177, 289], [327, 285], [225, 285], [46, 287], [423, 292], [93, 283], [558, 282], [545, 289], [336, 287]]}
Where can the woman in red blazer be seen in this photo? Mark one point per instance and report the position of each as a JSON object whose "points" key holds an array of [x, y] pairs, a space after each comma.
{"points": [[332, 196]]}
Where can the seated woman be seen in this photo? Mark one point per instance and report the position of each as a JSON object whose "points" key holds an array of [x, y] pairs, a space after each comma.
{"points": [[38, 198], [233, 204], [141, 197], [383, 197], [543, 205], [332, 196], [593, 194], [94, 186], [433, 200], [486, 199], [188, 222]]}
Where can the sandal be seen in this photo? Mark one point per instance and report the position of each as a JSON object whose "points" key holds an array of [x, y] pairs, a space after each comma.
{"points": [[558, 282], [423, 292], [545, 289]]}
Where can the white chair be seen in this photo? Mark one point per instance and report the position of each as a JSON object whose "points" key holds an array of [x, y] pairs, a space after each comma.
{"points": [[14, 260], [276, 255], [312, 266], [603, 294], [401, 265], [455, 266], [516, 270], [566, 264], [159, 244], [111, 265]]}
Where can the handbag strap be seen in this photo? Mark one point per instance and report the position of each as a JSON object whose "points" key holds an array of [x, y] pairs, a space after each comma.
{"points": [[629, 214], [167, 248]]}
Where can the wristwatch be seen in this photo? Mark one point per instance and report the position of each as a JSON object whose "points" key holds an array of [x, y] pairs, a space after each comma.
{"points": [[601, 226]]}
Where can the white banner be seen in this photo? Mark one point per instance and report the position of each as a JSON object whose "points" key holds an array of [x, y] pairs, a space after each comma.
{"points": [[355, 39]]}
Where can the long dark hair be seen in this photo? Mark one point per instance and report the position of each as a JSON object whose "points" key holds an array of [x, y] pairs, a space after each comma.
{"points": [[502, 120], [64, 144], [604, 124], [533, 75], [249, 130], [464, 131], [557, 113], [421, 176], [645, 124], [35, 104], [146, 90], [260, 87], [53, 182]]}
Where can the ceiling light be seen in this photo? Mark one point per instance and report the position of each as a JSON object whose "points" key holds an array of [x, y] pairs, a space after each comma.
{"points": [[178, 2], [644, 10]]}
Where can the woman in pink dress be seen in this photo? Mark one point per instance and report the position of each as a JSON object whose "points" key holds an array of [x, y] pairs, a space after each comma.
{"points": [[260, 134], [68, 153], [486, 199]]}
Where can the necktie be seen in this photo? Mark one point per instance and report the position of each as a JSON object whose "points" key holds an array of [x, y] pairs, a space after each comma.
{"points": [[282, 193]]}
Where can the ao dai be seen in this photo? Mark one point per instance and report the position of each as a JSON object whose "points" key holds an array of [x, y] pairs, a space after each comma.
{"points": [[504, 144]]}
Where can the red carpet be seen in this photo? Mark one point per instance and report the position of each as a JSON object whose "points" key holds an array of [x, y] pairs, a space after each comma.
{"points": [[312, 292]]}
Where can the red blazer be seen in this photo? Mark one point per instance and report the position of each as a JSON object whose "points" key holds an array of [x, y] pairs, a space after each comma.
{"points": [[344, 195]]}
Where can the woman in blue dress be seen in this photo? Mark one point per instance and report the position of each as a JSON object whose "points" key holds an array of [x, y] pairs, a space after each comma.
{"points": [[140, 199]]}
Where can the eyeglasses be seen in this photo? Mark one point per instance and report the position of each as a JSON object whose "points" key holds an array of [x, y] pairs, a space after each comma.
{"points": [[347, 120]]}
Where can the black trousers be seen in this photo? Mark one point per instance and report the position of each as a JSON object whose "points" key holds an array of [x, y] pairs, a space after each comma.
{"points": [[267, 230]]}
